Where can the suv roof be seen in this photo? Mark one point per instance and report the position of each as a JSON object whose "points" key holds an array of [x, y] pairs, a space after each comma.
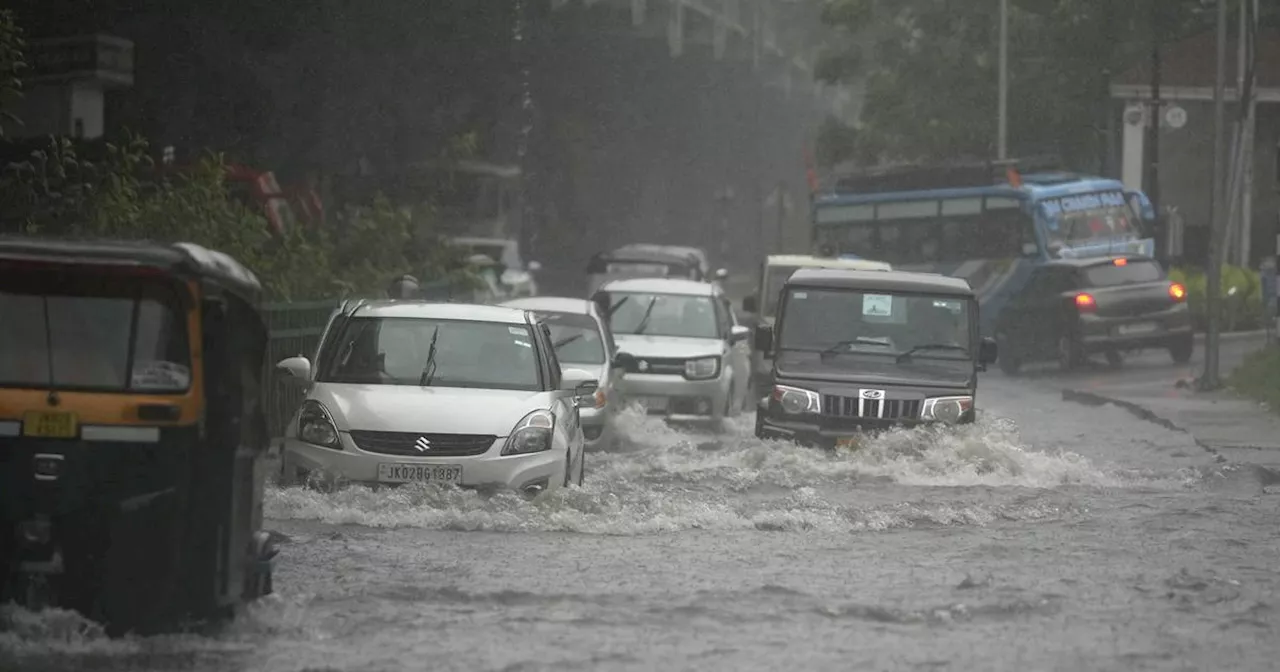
{"points": [[902, 281]]}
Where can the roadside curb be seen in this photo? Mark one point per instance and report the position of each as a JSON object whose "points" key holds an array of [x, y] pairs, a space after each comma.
{"points": [[1138, 411], [1234, 335]]}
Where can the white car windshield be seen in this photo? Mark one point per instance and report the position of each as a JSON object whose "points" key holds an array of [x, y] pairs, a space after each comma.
{"points": [[576, 338], [662, 315], [875, 323], [399, 351]]}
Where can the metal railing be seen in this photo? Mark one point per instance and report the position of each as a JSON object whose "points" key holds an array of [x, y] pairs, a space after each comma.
{"points": [[294, 329]]}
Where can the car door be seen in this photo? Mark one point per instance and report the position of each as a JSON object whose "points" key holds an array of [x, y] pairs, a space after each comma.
{"points": [[1045, 313], [568, 431], [739, 353], [1015, 326], [614, 373]]}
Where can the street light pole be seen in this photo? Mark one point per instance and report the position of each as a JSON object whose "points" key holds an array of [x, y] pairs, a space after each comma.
{"points": [[1002, 134], [1213, 277]]}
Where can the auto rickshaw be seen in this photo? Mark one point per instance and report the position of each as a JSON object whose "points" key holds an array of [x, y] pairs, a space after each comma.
{"points": [[132, 432]]}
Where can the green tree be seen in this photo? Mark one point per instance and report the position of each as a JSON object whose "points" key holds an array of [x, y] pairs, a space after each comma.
{"points": [[11, 65], [930, 69]]}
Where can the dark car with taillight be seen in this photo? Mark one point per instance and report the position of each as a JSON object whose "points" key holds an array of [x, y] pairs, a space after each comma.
{"points": [[858, 351], [1074, 308]]}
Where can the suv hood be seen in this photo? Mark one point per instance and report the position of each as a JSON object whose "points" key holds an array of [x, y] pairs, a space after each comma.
{"points": [[409, 408], [880, 370], [674, 347]]}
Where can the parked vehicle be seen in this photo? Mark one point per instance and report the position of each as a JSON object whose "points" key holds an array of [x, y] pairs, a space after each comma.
{"points": [[132, 432], [860, 351], [687, 355], [1074, 308], [515, 275], [449, 393], [583, 341]]}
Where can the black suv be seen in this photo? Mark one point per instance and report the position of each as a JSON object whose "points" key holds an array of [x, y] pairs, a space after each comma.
{"points": [[854, 351], [1073, 308]]}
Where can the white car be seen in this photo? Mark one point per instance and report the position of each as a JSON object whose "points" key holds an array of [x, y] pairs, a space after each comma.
{"points": [[516, 275], [582, 341], [409, 391], [687, 355]]}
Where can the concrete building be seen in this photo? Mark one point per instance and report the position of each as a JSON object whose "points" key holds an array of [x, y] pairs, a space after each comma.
{"points": [[1188, 71], [66, 84]]}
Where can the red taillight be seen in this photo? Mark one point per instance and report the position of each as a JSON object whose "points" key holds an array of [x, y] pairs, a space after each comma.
{"points": [[1177, 292], [1121, 262], [1085, 303]]}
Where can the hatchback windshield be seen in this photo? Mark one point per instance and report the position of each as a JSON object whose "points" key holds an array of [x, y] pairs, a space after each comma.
{"points": [[95, 333], [662, 315], [439, 353], [575, 337], [875, 323]]}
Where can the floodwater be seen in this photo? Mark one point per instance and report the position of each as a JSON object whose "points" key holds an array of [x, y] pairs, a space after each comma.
{"points": [[1048, 536]]}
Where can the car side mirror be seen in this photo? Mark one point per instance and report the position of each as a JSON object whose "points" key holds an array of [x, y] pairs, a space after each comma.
{"points": [[298, 369], [750, 304], [739, 333], [533, 266], [764, 338], [988, 352], [622, 360], [581, 383], [720, 274]]}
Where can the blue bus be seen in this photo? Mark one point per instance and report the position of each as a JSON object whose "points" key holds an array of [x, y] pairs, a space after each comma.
{"points": [[988, 227]]}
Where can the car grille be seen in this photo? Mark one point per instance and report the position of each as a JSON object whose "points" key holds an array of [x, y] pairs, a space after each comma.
{"points": [[885, 409], [406, 443], [658, 365]]}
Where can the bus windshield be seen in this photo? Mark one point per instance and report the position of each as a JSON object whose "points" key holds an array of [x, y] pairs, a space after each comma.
{"points": [[1071, 220], [927, 231]]}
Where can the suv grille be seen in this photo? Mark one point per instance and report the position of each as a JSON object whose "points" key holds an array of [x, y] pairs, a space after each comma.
{"points": [[658, 365], [884, 409], [406, 443]]}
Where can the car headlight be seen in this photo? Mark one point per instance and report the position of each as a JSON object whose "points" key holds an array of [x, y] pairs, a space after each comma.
{"points": [[315, 425], [702, 368], [531, 435], [796, 400], [946, 409]]}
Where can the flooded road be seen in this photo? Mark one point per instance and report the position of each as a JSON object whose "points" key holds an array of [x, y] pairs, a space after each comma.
{"points": [[1047, 536]]}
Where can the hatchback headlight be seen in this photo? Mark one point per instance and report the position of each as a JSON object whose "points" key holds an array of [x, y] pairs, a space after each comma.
{"points": [[946, 409], [531, 435], [797, 400], [703, 368], [316, 426]]}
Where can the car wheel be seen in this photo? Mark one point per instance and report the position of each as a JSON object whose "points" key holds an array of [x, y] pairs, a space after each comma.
{"points": [[1068, 353], [1182, 350], [1114, 358]]}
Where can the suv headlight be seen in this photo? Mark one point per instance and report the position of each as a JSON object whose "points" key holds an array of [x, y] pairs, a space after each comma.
{"points": [[531, 435], [797, 400], [703, 368], [946, 409], [316, 426]]}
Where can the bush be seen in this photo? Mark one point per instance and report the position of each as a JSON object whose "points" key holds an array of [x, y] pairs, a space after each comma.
{"points": [[124, 196], [1239, 311], [1259, 377]]}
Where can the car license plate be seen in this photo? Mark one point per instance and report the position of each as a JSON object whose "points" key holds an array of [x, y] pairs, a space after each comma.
{"points": [[653, 404], [849, 442], [419, 473], [50, 424], [1138, 328]]}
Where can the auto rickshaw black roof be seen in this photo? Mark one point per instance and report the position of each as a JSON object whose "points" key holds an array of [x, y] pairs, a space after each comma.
{"points": [[187, 259], [882, 281]]}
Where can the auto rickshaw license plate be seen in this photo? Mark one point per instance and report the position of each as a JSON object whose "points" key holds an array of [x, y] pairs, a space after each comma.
{"points": [[850, 442], [50, 424]]}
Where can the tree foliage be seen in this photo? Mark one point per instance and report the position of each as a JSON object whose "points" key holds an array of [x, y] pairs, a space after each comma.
{"points": [[11, 65], [125, 196], [931, 71]]}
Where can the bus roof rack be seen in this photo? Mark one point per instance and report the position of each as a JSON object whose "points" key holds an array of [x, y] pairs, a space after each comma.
{"points": [[951, 175]]}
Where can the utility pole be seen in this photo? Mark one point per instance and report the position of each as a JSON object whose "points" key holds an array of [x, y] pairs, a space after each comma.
{"points": [[1002, 132], [1213, 278], [1153, 127]]}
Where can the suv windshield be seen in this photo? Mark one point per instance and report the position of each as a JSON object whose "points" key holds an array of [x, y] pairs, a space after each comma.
{"points": [[398, 351], [662, 315], [838, 320], [101, 333], [576, 338], [775, 277], [1127, 273]]}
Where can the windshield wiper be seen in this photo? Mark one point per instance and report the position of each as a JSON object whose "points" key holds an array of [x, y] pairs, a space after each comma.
{"points": [[566, 341], [429, 371], [644, 321], [861, 340], [614, 308], [930, 346]]}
